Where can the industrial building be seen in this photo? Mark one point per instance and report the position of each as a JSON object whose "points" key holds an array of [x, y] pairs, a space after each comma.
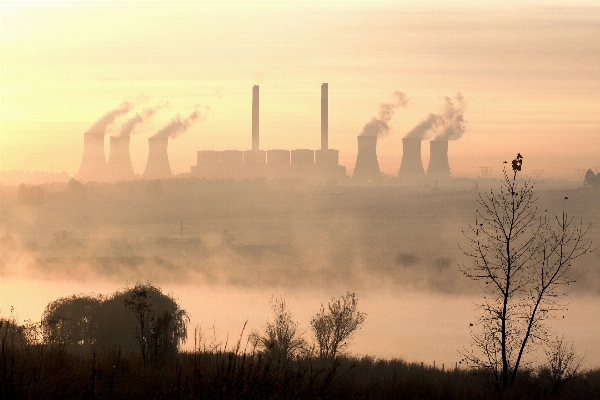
{"points": [[274, 164], [320, 164]]}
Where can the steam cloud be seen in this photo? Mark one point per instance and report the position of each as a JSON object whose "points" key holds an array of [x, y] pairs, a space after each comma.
{"points": [[179, 125], [455, 122], [99, 128], [129, 126], [379, 126], [449, 126]]}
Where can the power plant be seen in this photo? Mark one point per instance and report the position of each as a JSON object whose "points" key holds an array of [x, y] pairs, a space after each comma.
{"points": [[93, 164], [119, 160], [277, 163], [439, 168], [157, 166], [320, 164], [411, 166], [367, 166]]}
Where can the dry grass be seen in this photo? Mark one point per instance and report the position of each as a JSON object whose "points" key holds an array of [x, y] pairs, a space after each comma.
{"points": [[40, 372]]}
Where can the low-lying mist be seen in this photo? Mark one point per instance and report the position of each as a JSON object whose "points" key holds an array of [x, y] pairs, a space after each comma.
{"points": [[259, 234]]}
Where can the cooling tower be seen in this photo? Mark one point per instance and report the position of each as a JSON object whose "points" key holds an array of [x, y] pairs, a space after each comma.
{"points": [[157, 166], [367, 166], [93, 164], [438, 159], [255, 109], [411, 165], [324, 117], [119, 160]]}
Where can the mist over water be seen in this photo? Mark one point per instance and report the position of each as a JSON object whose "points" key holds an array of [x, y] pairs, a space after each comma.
{"points": [[223, 249]]}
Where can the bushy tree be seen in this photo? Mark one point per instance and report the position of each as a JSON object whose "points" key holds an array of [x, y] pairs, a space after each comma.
{"points": [[591, 179], [72, 321], [82, 322], [563, 364], [334, 326], [30, 195], [524, 261], [280, 337]]}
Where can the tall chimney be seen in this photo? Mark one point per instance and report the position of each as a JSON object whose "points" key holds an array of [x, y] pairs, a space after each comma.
{"points": [[367, 166], [157, 166], [411, 165], [93, 164], [438, 159], [119, 160], [324, 117], [255, 109]]}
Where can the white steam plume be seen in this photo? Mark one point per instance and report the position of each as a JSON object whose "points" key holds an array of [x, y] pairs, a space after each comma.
{"points": [[379, 126]]}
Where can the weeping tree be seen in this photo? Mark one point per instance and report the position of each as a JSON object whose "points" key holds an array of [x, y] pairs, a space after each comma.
{"points": [[139, 319], [523, 261]]}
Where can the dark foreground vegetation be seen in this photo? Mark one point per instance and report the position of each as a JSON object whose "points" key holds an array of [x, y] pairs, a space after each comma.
{"points": [[51, 372]]}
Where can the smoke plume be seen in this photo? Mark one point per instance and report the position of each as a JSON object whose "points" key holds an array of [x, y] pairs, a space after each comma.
{"points": [[179, 125], [379, 126], [454, 120], [446, 126], [424, 128], [99, 128], [129, 126]]}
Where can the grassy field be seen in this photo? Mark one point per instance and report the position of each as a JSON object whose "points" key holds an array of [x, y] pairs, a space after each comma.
{"points": [[44, 372]]}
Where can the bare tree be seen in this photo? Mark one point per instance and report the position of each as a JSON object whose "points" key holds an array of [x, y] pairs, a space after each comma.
{"points": [[563, 363], [281, 337], [524, 261], [334, 327]]}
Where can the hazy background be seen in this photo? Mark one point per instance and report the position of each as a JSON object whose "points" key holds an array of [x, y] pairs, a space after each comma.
{"points": [[528, 72], [225, 248]]}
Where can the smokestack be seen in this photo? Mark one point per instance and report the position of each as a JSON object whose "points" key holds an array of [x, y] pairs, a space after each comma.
{"points": [[255, 109], [157, 166], [438, 159], [411, 165], [93, 164], [119, 160], [367, 166], [324, 117]]}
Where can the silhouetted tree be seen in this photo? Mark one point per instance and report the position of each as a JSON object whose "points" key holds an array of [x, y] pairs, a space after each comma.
{"points": [[591, 179], [280, 337], [30, 195], [563, 363], [82, 322], [138, 303], [76, 188], [154, 188], [334, 327], [524, 261], [71, 321]]}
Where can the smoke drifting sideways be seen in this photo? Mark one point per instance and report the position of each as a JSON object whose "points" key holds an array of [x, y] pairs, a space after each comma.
{"points": [[99, 127], [450, 125], [454, 126], [379, 126], [179, 125], [134, 122]]}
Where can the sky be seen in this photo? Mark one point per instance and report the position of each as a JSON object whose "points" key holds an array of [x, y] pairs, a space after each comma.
{"points": [[528, 72]]}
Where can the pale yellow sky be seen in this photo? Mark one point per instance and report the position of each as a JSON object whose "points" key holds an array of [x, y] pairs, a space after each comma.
{"points": [[529, 75]]}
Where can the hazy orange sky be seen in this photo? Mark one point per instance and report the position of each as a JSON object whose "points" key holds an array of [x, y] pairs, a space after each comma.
{"points": [[529, 73]]}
